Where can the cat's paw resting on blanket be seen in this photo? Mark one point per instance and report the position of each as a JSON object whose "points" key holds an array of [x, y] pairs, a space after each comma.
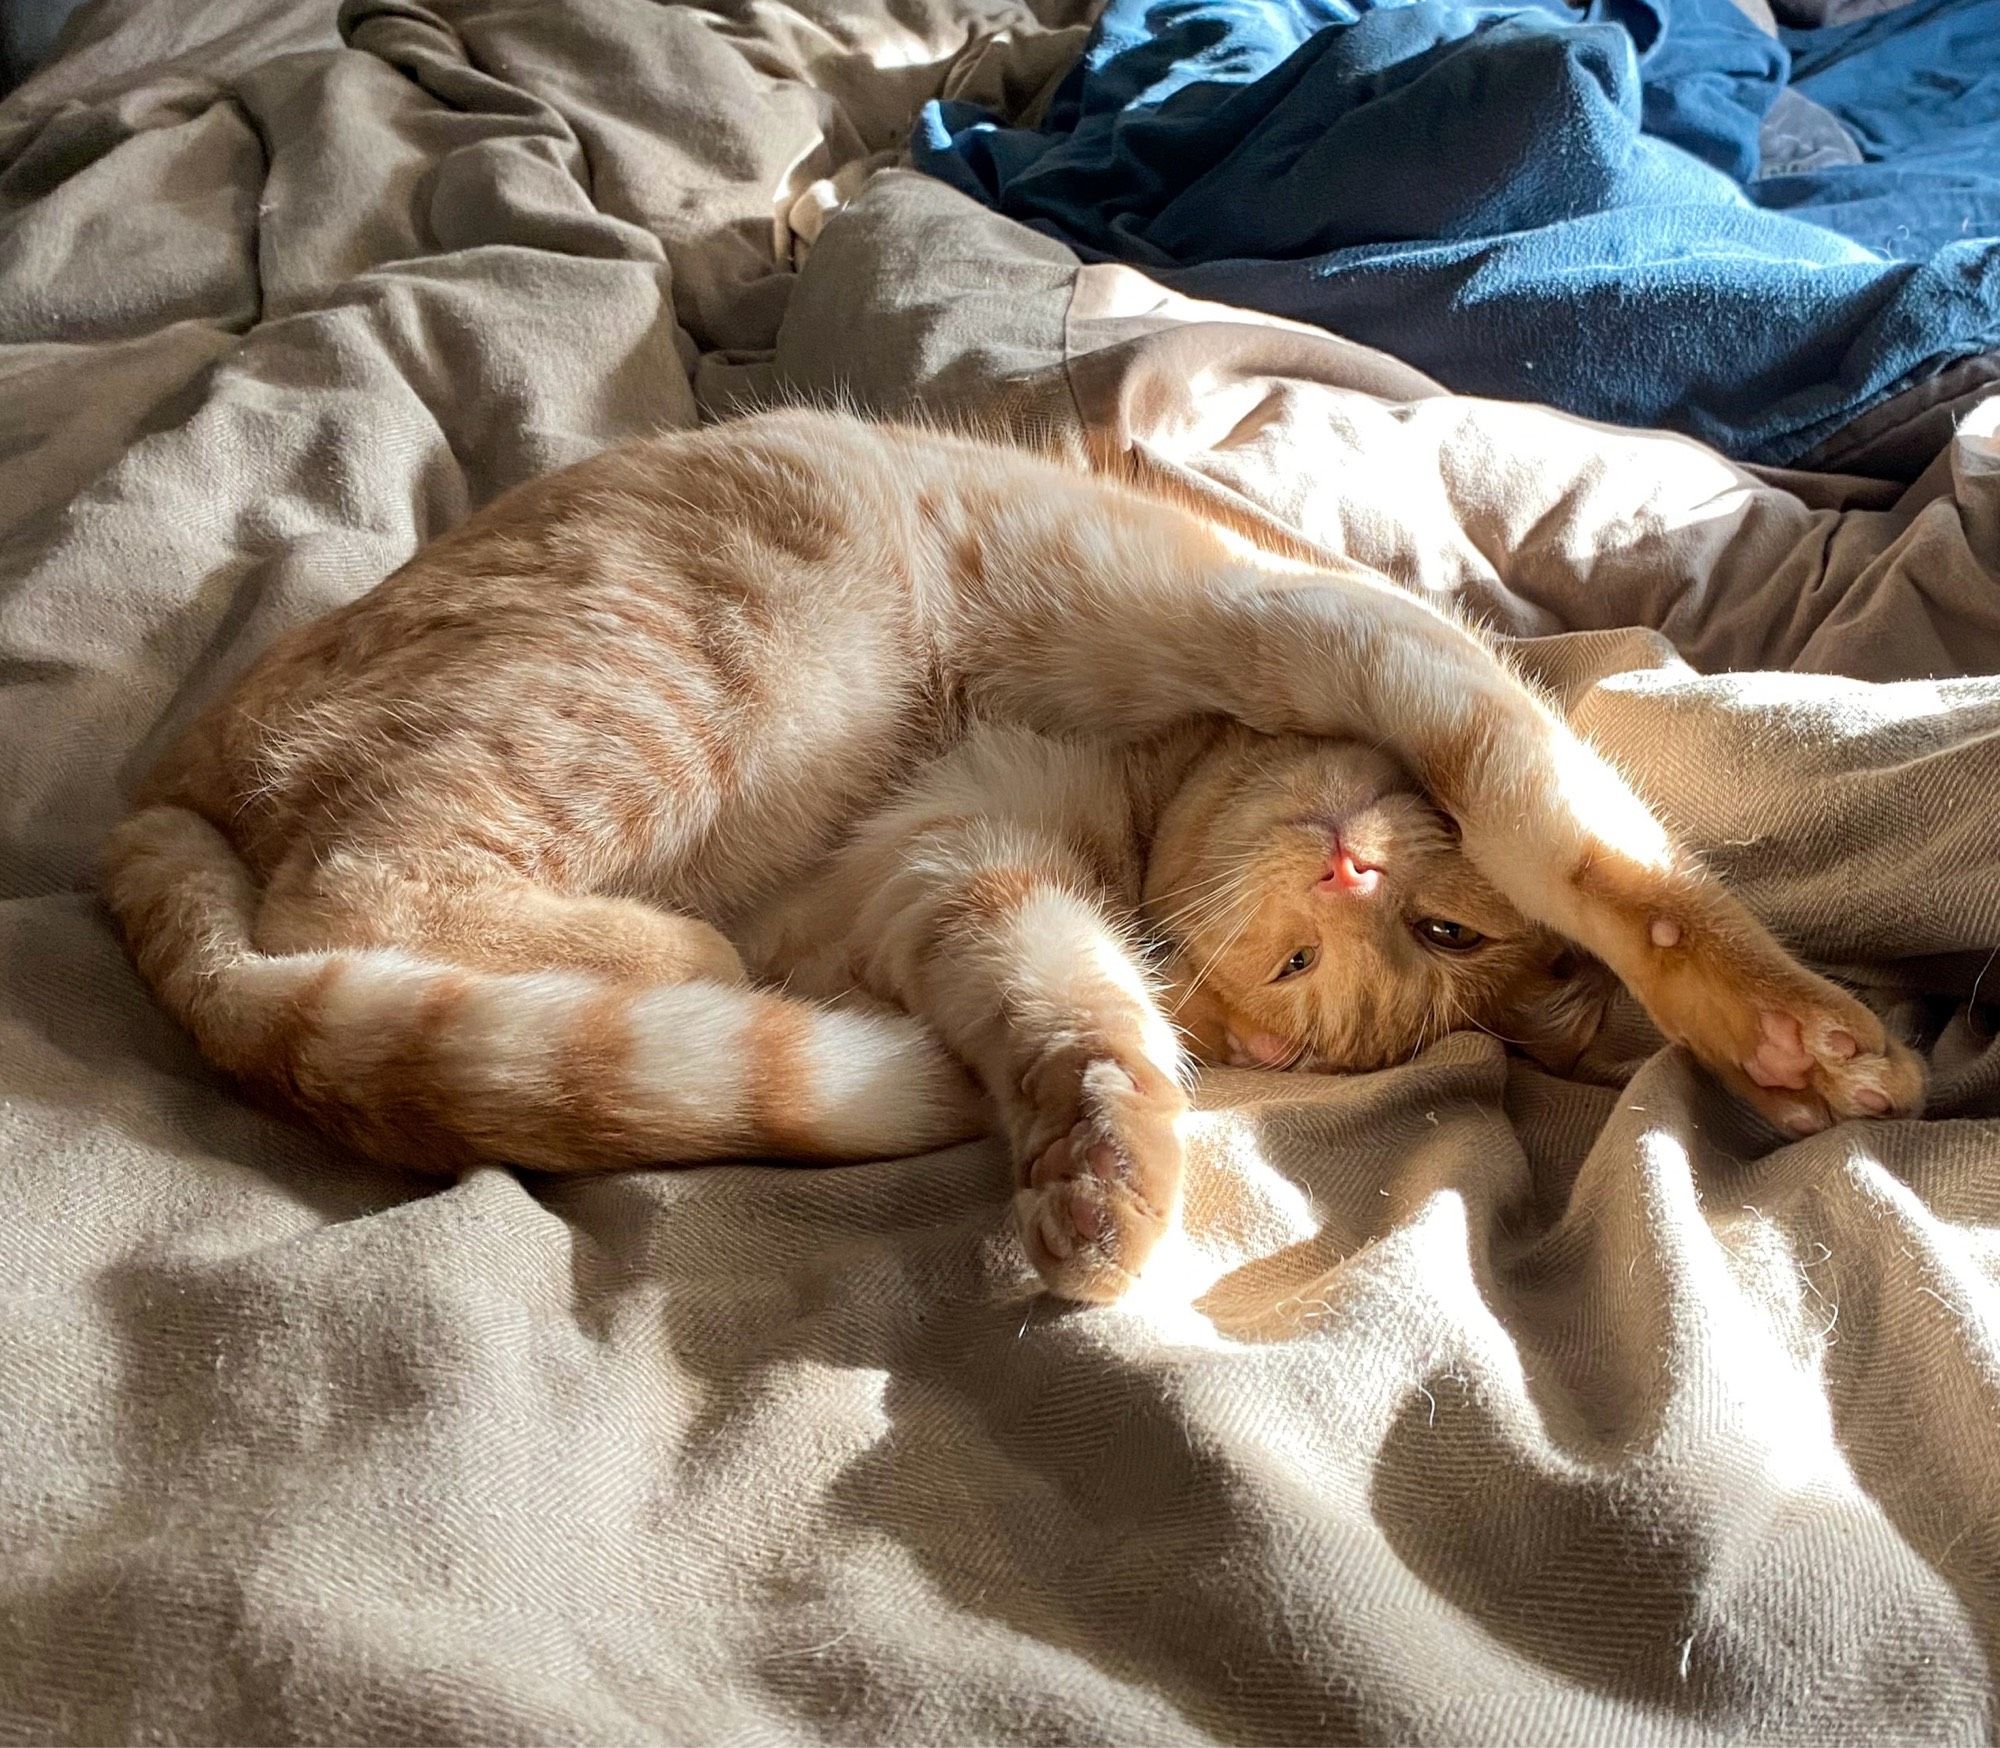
{"points": [[1098, 1197]]}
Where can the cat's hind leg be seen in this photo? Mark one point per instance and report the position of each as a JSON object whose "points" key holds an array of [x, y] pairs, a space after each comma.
{"points": [[486, 919]]}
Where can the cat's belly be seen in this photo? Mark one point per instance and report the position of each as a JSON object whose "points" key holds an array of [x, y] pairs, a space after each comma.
{"points": [[763, 868]]}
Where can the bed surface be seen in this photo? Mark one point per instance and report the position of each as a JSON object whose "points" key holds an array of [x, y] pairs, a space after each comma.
{"points": [[1477, 1405]]}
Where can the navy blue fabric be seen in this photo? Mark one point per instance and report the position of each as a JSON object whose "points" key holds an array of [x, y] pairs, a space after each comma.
{"points": [[1538, 202]]}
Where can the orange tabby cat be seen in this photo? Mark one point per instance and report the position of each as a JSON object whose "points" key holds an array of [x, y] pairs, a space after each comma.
{"points": [[924, 727]]}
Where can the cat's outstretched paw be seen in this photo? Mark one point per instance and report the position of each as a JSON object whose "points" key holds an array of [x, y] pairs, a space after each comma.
{"points": [[1815, 1062], [1802, 1050], [1097, 1198]]}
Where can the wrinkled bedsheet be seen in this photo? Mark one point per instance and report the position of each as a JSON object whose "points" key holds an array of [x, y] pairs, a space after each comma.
{"points": [[1476, 1404]]}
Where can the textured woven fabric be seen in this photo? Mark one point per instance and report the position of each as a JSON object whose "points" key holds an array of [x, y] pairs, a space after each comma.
{"points": [[1478, 1405]]}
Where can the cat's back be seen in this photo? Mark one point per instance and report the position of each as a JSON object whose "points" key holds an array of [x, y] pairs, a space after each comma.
{"points": [[672, 520], [714, 588], [687, 524]]}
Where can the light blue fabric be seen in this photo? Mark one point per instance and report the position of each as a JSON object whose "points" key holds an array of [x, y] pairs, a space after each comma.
{"points": [[1536, 202]]}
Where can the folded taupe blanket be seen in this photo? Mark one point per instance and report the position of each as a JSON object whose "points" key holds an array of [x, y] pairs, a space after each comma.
{"points": [[1478, 1405]]}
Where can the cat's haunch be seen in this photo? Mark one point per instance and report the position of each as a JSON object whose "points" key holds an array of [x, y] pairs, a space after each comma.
{"points": [[807, 788]]}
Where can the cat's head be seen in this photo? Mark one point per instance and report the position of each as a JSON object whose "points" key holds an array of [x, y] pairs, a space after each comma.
{"points": [[1319, 913]]}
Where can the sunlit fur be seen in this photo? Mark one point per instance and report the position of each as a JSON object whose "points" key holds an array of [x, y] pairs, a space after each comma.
{"points": [[734, 793], [1237, 884]]}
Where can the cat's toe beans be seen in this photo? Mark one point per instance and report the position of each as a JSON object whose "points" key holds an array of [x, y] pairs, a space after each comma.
{"points": [[1105, 1160], [1837, 1053], [1871, 1084], [1083, 1152], [1088, 1219], [1098, 1197], [1059, 1159], [1087, 1238], [1054, 1233], [1780, 1057]]}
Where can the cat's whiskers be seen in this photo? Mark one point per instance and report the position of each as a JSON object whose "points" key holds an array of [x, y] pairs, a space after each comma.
{"points": [[1208, 893], [1222, 891], [1438, 1018], [1187, 926], [1209, 907], [1207, 881], [1481, 1026], [1201, 976]]}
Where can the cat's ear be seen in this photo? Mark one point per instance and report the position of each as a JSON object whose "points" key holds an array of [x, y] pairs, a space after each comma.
{"points": [[1558, 1006]]}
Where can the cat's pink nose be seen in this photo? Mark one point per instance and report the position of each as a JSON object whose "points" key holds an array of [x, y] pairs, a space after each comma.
{"points": [[1345, 874]]}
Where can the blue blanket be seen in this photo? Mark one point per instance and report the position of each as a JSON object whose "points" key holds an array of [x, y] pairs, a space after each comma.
{"points": [[1594, 207]]}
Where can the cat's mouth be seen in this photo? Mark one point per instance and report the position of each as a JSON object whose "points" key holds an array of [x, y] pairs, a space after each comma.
{"points": [[1252, 1049]]}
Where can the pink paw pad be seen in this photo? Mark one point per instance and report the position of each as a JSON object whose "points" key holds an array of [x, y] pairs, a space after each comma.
{"points": [[1076, 1153], [1072, 1218], [1088, 1219], [1781, 1058]]}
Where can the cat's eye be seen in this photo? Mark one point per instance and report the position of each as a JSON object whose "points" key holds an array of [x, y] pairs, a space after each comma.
{"points": [[1437, 931], [1302, 960]]}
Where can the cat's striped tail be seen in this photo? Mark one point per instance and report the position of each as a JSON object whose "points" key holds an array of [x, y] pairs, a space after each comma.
{"points": [[438, 1067]]}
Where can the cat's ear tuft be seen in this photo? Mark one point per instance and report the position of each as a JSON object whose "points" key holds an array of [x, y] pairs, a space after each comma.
{"points": [[1558, 1007]]}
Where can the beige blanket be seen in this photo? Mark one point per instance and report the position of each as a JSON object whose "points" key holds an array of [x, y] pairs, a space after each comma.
{"points": [[1478, 1405]]}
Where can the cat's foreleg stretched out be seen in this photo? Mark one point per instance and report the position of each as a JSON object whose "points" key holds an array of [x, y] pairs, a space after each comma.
{"points": [[998, 902], [1150, 630]]}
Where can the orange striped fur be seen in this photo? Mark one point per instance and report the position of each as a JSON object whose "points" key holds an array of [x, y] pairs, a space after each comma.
{"points": [[807, 788]]}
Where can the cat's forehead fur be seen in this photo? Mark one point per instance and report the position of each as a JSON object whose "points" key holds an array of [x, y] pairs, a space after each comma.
{"points": [[1234, 883]]}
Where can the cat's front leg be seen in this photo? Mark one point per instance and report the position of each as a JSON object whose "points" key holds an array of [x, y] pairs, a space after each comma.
{"points": [[1027, 979], [1002, 932], [1801, 1049]]}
